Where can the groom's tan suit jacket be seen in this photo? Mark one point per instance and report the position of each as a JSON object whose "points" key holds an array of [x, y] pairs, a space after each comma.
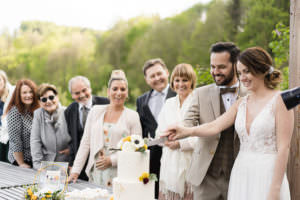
{"points": [[205, 107]]}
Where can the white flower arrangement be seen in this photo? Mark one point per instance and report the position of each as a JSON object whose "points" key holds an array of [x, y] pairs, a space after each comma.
{"points": [[128, 146], [132, 143], [137, 141]]}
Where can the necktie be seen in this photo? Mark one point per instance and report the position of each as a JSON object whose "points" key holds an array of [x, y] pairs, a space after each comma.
{"points": [[85, 112], [158, 104], [227, 90]]}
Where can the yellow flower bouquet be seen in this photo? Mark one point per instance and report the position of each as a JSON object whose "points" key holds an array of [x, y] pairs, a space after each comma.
{"points": [[50, 184], [32, 193]]}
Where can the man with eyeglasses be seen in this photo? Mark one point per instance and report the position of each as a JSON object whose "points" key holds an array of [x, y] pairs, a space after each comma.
{"points": [[76, 113]]}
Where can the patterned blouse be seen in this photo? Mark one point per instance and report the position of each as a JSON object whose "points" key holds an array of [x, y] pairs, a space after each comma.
{"points": [[104, 177], [19, 128]]}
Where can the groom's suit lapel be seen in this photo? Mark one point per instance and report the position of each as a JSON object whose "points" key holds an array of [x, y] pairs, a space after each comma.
{"points": [[214, 95]]}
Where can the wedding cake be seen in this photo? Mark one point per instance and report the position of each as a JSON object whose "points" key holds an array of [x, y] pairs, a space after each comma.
{"points": [[133, 181]]}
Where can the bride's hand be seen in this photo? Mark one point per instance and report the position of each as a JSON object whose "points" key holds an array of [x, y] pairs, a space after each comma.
{"points": [[175, 132]]}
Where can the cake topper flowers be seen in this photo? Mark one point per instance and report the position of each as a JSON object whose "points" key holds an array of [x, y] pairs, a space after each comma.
{"points": [[133, 143], [146, 177]]}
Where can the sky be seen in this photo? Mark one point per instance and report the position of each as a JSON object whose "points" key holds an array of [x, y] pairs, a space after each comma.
{"points": [[95, 14]]}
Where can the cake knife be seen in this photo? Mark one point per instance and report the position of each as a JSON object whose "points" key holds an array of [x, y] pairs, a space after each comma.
{"points": [[154, 142]]}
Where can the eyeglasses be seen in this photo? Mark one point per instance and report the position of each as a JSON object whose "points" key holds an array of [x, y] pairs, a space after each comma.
{"points": [[44, 99]]}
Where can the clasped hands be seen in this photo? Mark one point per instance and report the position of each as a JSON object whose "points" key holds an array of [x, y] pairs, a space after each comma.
{"points": [[175, 132], [103, 162], [65, 151]]}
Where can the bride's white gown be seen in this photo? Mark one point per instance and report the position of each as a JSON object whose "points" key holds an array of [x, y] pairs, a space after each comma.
{"points": [[253, 169]]}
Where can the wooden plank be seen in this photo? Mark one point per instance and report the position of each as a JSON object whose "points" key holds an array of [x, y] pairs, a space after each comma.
{"points": [[293, 169]]}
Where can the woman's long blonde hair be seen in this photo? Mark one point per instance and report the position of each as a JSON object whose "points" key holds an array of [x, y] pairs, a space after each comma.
{"points": [[5, 91]]}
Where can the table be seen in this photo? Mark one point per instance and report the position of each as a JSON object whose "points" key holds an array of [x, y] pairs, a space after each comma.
{"points": [[13, 179]]}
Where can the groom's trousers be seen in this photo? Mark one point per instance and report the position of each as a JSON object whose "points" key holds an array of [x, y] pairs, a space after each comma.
{"points": [[212, 188]]}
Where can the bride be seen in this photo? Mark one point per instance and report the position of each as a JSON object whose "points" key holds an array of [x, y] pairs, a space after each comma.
{"points": [[264, 127]]}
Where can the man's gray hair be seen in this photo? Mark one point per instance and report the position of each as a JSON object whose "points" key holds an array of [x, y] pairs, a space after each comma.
{"points": [[79, 78]]}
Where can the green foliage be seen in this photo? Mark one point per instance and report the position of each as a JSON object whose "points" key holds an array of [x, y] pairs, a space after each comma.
{"points": [[203, 75], [280, 49], [46, 52], [280, 44], [258, 22]]}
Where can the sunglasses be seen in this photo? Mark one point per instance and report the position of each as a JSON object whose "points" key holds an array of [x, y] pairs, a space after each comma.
{"points": [[44, 99]]}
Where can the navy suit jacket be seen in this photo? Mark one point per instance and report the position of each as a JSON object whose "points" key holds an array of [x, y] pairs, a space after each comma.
{"points": [[149, 126]]}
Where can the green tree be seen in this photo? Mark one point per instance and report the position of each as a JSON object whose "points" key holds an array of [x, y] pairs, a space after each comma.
{"points": [[258, 21], [280, 50]]}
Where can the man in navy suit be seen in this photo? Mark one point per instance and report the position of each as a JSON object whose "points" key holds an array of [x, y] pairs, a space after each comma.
{"points": [[149, 105], [76, 113]]}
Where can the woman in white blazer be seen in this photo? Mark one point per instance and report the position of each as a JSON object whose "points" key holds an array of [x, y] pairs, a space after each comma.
{"points": [[106, 125], [49, 134], [176, 155]]}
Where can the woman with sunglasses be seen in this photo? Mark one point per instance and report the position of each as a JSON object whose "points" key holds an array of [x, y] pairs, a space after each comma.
{"points": [[19, 120], [49, 134]]}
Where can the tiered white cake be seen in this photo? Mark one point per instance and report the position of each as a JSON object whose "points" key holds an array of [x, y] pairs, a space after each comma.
{"points": [[127, 186]]}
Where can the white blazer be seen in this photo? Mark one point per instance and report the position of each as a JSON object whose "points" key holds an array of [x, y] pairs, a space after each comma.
{"points": [[92, 140]]}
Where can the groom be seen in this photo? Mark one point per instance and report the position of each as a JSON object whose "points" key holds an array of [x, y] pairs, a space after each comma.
{"points": [[213, 157]]}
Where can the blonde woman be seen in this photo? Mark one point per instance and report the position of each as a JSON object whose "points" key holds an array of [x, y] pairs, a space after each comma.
{"points": [[106, 125], [176, 155], [6, 90]]}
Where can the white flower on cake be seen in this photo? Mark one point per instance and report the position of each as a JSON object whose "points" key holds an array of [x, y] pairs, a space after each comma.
{"points": [[138, 141], [132, 143], [120, 143], [128, 146]]}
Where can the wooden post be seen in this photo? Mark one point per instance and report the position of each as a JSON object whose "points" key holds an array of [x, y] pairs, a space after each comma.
{"points": [[293, 169]]}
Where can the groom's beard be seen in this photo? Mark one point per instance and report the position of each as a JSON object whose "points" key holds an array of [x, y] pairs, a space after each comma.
{"points": [[227, 79]]}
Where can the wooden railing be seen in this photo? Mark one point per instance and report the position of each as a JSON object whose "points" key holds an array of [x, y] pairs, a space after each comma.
{"points": [[294, 80]]}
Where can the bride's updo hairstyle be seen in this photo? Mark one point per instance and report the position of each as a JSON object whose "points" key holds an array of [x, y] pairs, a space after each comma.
{"points": [[259, 61], [117, 75]]}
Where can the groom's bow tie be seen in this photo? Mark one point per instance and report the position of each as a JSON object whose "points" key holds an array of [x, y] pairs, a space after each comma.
{"points": [[225, 90]]}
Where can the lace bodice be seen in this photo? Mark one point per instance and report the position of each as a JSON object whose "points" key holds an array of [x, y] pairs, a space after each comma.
{"points": [[262, 135]]}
